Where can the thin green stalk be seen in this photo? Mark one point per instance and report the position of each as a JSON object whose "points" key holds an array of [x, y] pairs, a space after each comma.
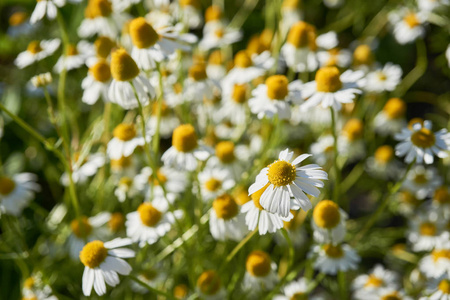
{"points": [[341, 276], [152, 289], [337, 171], [291, 250], [238, 247], [243, 13], [156, 140]]}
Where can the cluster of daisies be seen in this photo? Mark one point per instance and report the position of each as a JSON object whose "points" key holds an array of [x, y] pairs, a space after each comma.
{"points": [[191, 154]]}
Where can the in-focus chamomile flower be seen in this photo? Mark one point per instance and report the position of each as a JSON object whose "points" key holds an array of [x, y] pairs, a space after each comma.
{"points": [[275, 97], [424, 231], [84, 167], [16, 192], [383, 79], [288, 180], [226, 222], [422, 181], [74, 57], [295, 290], [379, 277], [96, 83], [47, 8], [437, 263], [330, 259], [103, 262], [125, 140], [36, 51], [383, 163], [198, 87], [214, 182], [419, 143], [438, 289], [331, 89], [408, 25], [391, 119], [209, 286], [261, 272], [186, 150], [328, 222], [150, 222], [128, 82]]}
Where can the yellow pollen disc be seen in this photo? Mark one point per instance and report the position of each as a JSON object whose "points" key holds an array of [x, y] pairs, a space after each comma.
{"points": [[126, 181], [414, 121], [120, 163], [81, 228], [34, 47], [239, 93], [125, 132], [241, 196], [93, 254], [123, 67], [257, 195], [266, 38], [72, 50], [258, 263], [438, 254], [420, 179], [165, 109], [215, 58], [381, 76], [194, 3], [299, 296], [326, 214], [441, 195], [161, 178], [198, 72], [101, 71], [17, 18], [225, 207], [184, 138], [98, 8], [428, 229], [177, 88], [327, 80], [333, 251], [392, 296], [395, 108], [423, 138], [293, 4], [277, 87], [255, 46], [444, 286], [363, 55], [7, 185], [213, 13], [219, 33], [408, 197], [384, 154], [142, 33], [353, 129], [28, 283], [302, 35], [213, 184], [242, 59], [225, 152], [116, 222], [373, 281], [149, 215], [30, 298], [180, 291], [281, 173], [412, 20], [209, 282], [103, 46]]}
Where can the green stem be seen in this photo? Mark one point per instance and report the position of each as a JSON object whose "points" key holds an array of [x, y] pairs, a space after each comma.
{"points": [[337, 172], [291, 250], [341, 276], [152, 289], [243, 13], [238, 247], [156, 140]]}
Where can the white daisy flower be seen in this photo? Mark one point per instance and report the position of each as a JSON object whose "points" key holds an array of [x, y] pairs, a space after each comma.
{"points": [[209, 286], [335, 57], [407, 202], [294, 290], [379, 277], [121, 5], [103, 262], [128, 83], [123, 166], [438, 289], [408, 25], [383, 164], [424, 231], [96, 84], [363, 56], [437, 263], [74, 57], [422, 182], [431, 5], [125, 140], [288, 180], [168, 120], [328, 222], [126, 188], [185, 151], [16, 192], [214, 182], [41, 80], [331, 89], [330, 259], [35, 288], [215, 68], [217, 34], [419, 143], [189, 12], [260, 272], [150, 222], [198, 87], [230, 157], [291, 14], [46, 7], [391, 119], [234, 104], [36, 51], [383, 79], [322, 149], [84, 168], [116, 223], [350, 141], [388, 293], [226, 222], [274, 98]]}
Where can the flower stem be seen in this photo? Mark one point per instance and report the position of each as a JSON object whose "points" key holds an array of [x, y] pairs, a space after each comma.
{"points": [[238, 247], [337, 172], [151, 289]]}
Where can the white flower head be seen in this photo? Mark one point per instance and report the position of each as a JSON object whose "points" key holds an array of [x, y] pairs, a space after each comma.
{"points": [[16, 192], [36, 51], [330, 259]]}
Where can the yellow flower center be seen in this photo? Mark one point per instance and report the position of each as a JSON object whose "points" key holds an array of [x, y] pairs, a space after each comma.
{"points": [[414, 121], [215, 58], [34, 47], [428, 229], [444, 286], [266, 37], [81, 228], [103, 46], [17, 18], [225, 152], [333, 251], [72, 50], [327, 80], [120, 163], [277, 87], [165, 110], [125, 132], [258, 263], [299, 296], [438, 254], [7, 185], [353, 129], [184, 138], [101, 71], [392, 296], [28, 283], [242, 59], [225, 207], [408, 197], [293, 4], [441, 195], [116, 222], [302, 35], [209, 282], [395, 108], [363, 55], [281, 173], [123, 67], [126, 181], [420, 178], [384, 154], [412, 20], [161, 178], [219, 33], [213, 13], [149, 215], [255, 46], [239, 94], [142, 33], [93, 254], [98, 8], [423, 138], [198, 72], [180, 291], [257, 195], [241, 196], [213, 184], [194, 3], [373, 281], [30, 298], [326, 214]]}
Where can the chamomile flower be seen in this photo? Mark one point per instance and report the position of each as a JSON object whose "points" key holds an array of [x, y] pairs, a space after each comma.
{"points": [[116, 223], [189, 12], [230, 157], [215, 68], [441, 200], [379, 277], [244, 71], [47, 8], [291, 14], [407, 25], [129, 87], [388, 293], [168, 120], [407, 202], [209, 286], [437, 263], [322, 149], [383, 79], [234, 104], [150, 222], [419, 143], [84, 167], [16, 192], [275, 97], [328, 222], [288, 180], [125, 189], [214, 182], [35, 288], [422, 181], [96, 83], [42, 80], [330, 259], [19, 24], [226, 222], [363, 57], [438, 289], [36, 51], [424, 231], [384, 164], [260, 272], [103, 262], [331, 89], [350, 141], [125, 140], [198, 87], [186, 150], [295, 290], [150, 276], [74, 57], [335, 57], [391, 119]]}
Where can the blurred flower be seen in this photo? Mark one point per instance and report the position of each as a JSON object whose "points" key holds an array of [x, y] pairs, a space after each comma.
{"points": [[383, 79], [383, 164], [209, 286], [261, 272], [214, 182], [378, 278], [226, 221], [16, 192], [330, 259], [74, 57], [36, 51], [422, 181], [42, 80], [391, 119], [407, 24], [46, 7], [125, 140], [96, 83], [328, 222], [84, 168]]}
